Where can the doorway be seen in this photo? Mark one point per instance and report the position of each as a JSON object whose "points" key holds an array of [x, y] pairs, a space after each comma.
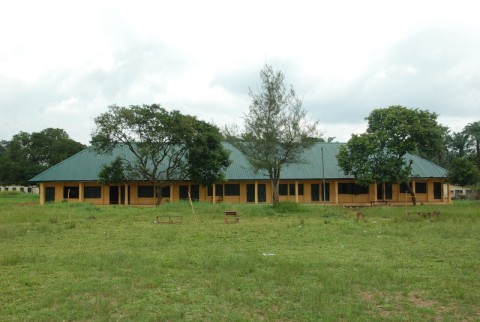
{"points": [[49, 194], [114, 195]]}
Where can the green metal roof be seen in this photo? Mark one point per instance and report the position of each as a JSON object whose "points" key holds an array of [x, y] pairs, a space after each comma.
{"points": [[85, 166]]}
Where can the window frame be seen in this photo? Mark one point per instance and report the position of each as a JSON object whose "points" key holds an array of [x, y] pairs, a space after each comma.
{"points": [[92, 192], [283, 189], [231, 189], [421, 187], [145, 191], [74, 192]]}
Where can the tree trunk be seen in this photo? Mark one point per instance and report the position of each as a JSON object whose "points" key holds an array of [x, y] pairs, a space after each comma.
{"points": [[158, 194], [412, 194], [276, 195]]}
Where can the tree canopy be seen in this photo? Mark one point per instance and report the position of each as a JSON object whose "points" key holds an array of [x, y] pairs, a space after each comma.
{"points": [[26, 155], [275, 130], [378, 155], [167, 145], [472, 130], [463, 154]]}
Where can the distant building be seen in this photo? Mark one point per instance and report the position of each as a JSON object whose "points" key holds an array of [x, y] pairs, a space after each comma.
{"points": [[310, 182], [26, 189], [459, 191]]}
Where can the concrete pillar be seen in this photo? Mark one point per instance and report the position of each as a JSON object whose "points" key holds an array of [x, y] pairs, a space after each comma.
{"points": [[42, 193], [214, 193], [126, 194], [80, 192], [296, 191]]}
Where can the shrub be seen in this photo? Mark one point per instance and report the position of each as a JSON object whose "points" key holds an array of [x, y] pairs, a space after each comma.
{"points": [[287, 207]]}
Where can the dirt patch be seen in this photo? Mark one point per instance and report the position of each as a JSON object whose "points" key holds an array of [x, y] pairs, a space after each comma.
{"points": [[386, 304], [418, 300], [26, 204]]}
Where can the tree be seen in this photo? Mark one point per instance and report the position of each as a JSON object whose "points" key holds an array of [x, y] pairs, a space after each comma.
{"points": [[167, 146], [380, 154], [463, 172], [113, 173], [275, 130], [51, 146], [459, 143], [3, 147], [473, 131], [26, 155]]}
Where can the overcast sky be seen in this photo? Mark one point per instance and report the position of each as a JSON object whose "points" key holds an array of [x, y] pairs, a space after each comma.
{"points": [[64, 62]]}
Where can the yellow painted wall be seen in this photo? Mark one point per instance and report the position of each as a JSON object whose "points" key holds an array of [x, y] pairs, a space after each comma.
{"points": [[242, 198]]}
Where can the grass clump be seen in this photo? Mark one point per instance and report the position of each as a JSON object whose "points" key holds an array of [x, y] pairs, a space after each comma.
{"points": [[288, 207]]}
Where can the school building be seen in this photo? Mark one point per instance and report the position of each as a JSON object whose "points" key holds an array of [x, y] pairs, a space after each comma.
{"points": [[317, 180]]}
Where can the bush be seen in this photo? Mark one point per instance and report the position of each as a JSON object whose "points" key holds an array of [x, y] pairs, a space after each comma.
{"points": [[287, 207]]}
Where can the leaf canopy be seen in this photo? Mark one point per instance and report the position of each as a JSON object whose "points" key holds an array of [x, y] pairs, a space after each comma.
{"points": [[167, 145]]}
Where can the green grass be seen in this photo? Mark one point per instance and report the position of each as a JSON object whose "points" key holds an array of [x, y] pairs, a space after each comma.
{"points": [[82, 262]]}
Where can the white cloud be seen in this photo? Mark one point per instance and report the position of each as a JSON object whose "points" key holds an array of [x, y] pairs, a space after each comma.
{"points": [[62, 62]]}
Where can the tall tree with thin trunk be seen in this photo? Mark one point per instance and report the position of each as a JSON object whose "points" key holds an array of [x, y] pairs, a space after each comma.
{"points": [[275, 130]]}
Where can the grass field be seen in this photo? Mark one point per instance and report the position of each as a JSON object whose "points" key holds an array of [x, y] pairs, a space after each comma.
{"points": [[294, 263]]}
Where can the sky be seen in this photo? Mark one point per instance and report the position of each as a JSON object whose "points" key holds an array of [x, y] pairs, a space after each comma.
{"points": [[62, 63]]}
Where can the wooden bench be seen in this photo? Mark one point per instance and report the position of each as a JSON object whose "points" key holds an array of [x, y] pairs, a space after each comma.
{"points": [[424, 214], [169, 219], [231, 217]]}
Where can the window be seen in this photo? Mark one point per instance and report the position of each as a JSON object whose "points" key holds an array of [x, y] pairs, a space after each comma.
{"points": [[92, 192], [250, 192], [388, 191], [49, 194], [350, 188], [218, 190], [326, 193], [291, 189], [183, 192], [70, 192], [437, 190], [420, 187], [195, 192], [232, 190], [315, 192], [403, 187], [145, 192], [283, 189], [345, 188], [166, 192], [360, 190], [300, 189], [262, 192]]}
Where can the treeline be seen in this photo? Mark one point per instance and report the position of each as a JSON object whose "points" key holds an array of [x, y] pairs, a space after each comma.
{"points": [[462, 155], [28, 154]]}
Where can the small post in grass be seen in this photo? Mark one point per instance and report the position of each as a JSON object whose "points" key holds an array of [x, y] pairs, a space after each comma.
{"points": [[191, 205], [68, 206]]}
